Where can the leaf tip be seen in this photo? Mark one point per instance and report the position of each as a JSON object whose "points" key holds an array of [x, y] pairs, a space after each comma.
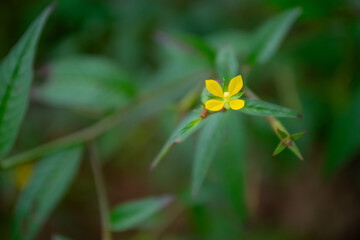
{"points": [[53, 5]]}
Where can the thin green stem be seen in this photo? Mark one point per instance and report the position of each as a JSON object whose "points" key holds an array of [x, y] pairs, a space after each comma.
{"points": [[67, 141], [101, 191], [146, 104]]}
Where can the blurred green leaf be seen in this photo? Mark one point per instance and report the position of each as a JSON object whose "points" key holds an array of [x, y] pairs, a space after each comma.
{"points": [[239, 40], [297, 136], [284, 137], [263, 109], [231, 164], [187, 127], [48, 184], [296, 151], [268, 37], [132, 214], [279, 149], [15, 80], [344, 138], [282, 133], [226, 64], [198, 44], [208, 142], [88, 82]]}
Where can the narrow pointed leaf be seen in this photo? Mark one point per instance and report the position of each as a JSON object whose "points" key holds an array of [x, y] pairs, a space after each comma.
{"points": [[282, 133], [209, 139], [296, 151], [231, 165], [226, 64], [263, 109], [131, 214], [187, 127], [48, 184], [16, 74], [297, 136], [96, 84], [268, 38], [197, 43], [279, 149]]}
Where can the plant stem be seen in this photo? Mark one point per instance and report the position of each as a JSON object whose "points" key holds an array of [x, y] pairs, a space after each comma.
{"points": [[148, 103], [101, 192], [67, 141]]}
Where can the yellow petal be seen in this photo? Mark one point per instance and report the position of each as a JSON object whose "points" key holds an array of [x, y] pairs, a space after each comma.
{"points": [[237, 104], [214, 88], [214, 105], [235, 85]]}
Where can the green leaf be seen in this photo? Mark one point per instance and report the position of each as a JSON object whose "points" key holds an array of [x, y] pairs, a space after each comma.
{"points": [[297, 136], [16, 74], [240, 40], [237, 96], [279, 149], [230, 163], [48, 184], [209, 140], [132, 214], [263, 109], [226, 64], [187, 127], [95, 83], [197, 43], [268, 37], [279, 130], [282, 133], [296, 151]]}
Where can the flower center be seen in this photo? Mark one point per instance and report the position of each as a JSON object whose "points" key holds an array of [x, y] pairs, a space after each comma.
{"points": [[226, 96]]}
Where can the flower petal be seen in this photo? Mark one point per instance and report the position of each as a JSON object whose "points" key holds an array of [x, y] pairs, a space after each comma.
{"points": [[214, 105], [214, 88], [237, 104], [235, 85]]}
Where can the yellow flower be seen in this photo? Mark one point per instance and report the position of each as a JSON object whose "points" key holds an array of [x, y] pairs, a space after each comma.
{"points": [[227, 98]]}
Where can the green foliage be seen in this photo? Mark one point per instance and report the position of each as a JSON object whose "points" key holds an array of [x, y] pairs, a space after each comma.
{"points": [[267, 39], [263, 109], [87, 82], [185, 129], [15, 79], [198, 44], [226, 64], [140, 66], [48, 184], [132, 214], [279, 149], [231, 164], [210, 137]]}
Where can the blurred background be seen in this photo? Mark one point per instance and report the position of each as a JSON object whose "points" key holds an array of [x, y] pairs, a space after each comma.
{"points": [[144, 44]]}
